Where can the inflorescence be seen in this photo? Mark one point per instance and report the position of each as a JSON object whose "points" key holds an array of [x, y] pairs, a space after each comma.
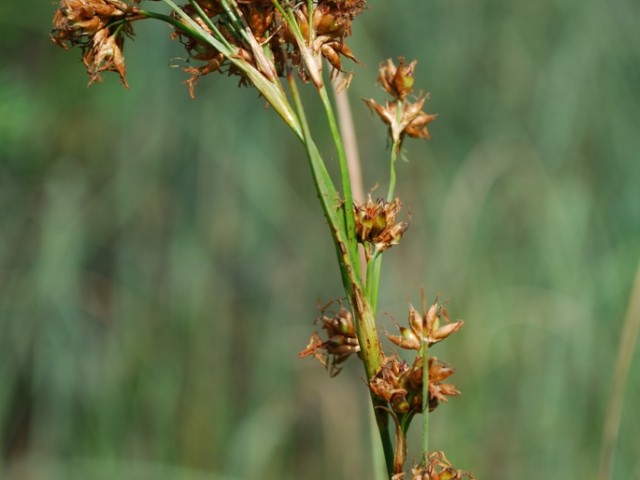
{"points": [[261, 41], [272, 36]]}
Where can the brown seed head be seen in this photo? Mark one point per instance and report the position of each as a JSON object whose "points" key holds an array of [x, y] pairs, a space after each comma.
{"points": [[388, 384], [401, 384], [376, 225], [76, 21], [262, 38], [105, 55], [431, 327], [438, 467], [89, 24], [341, 340], [403, 118]]}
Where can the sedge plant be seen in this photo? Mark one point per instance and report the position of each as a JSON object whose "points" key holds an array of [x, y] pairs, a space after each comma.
{"points": [[275, 46]]}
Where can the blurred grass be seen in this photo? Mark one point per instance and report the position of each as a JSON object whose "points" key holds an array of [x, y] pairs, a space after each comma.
{"points": [[161, 258]]}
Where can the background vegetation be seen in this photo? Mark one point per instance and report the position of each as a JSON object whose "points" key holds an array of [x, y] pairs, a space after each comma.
{"points": [[161, 259]]}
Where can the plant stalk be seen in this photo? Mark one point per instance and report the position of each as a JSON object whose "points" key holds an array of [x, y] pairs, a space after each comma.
{"points": [[425, 401], [366, 329]]}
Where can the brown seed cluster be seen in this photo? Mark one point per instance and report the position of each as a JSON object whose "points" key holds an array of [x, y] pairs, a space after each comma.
{"points": [[273, 37], [431, 327], [341, 340], [401, 385], [376, 226], [288, 45], [402, 116], [424, 330], [99, 28], [438, 467]]}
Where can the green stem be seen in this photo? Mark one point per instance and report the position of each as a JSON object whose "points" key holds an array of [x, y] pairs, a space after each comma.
{"points": [[374, 266], [345, 178], [236, 21], [382, 422], [373, 279], [178, 25], [205, 18], [312, 30], [392, 170], [425, 400]]}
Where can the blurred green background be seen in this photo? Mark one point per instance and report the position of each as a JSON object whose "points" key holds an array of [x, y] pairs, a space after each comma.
{"points": [[161, 259]]}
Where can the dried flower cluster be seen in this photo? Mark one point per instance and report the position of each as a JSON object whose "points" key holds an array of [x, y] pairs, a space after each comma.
{"points": [[402, 116], [376, 225], [341, 340], [431, 327], [401, 385], [263, 34], [270, 36], [99, 28], [438, 467]]}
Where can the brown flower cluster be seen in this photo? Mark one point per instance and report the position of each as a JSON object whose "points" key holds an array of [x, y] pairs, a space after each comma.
{"points": [[438, 467], [289, 47], [341, 340], [402, 116], [376, 226], [425, 330], [273, 37], [401, 384], [431, 327], [99, 28]]}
